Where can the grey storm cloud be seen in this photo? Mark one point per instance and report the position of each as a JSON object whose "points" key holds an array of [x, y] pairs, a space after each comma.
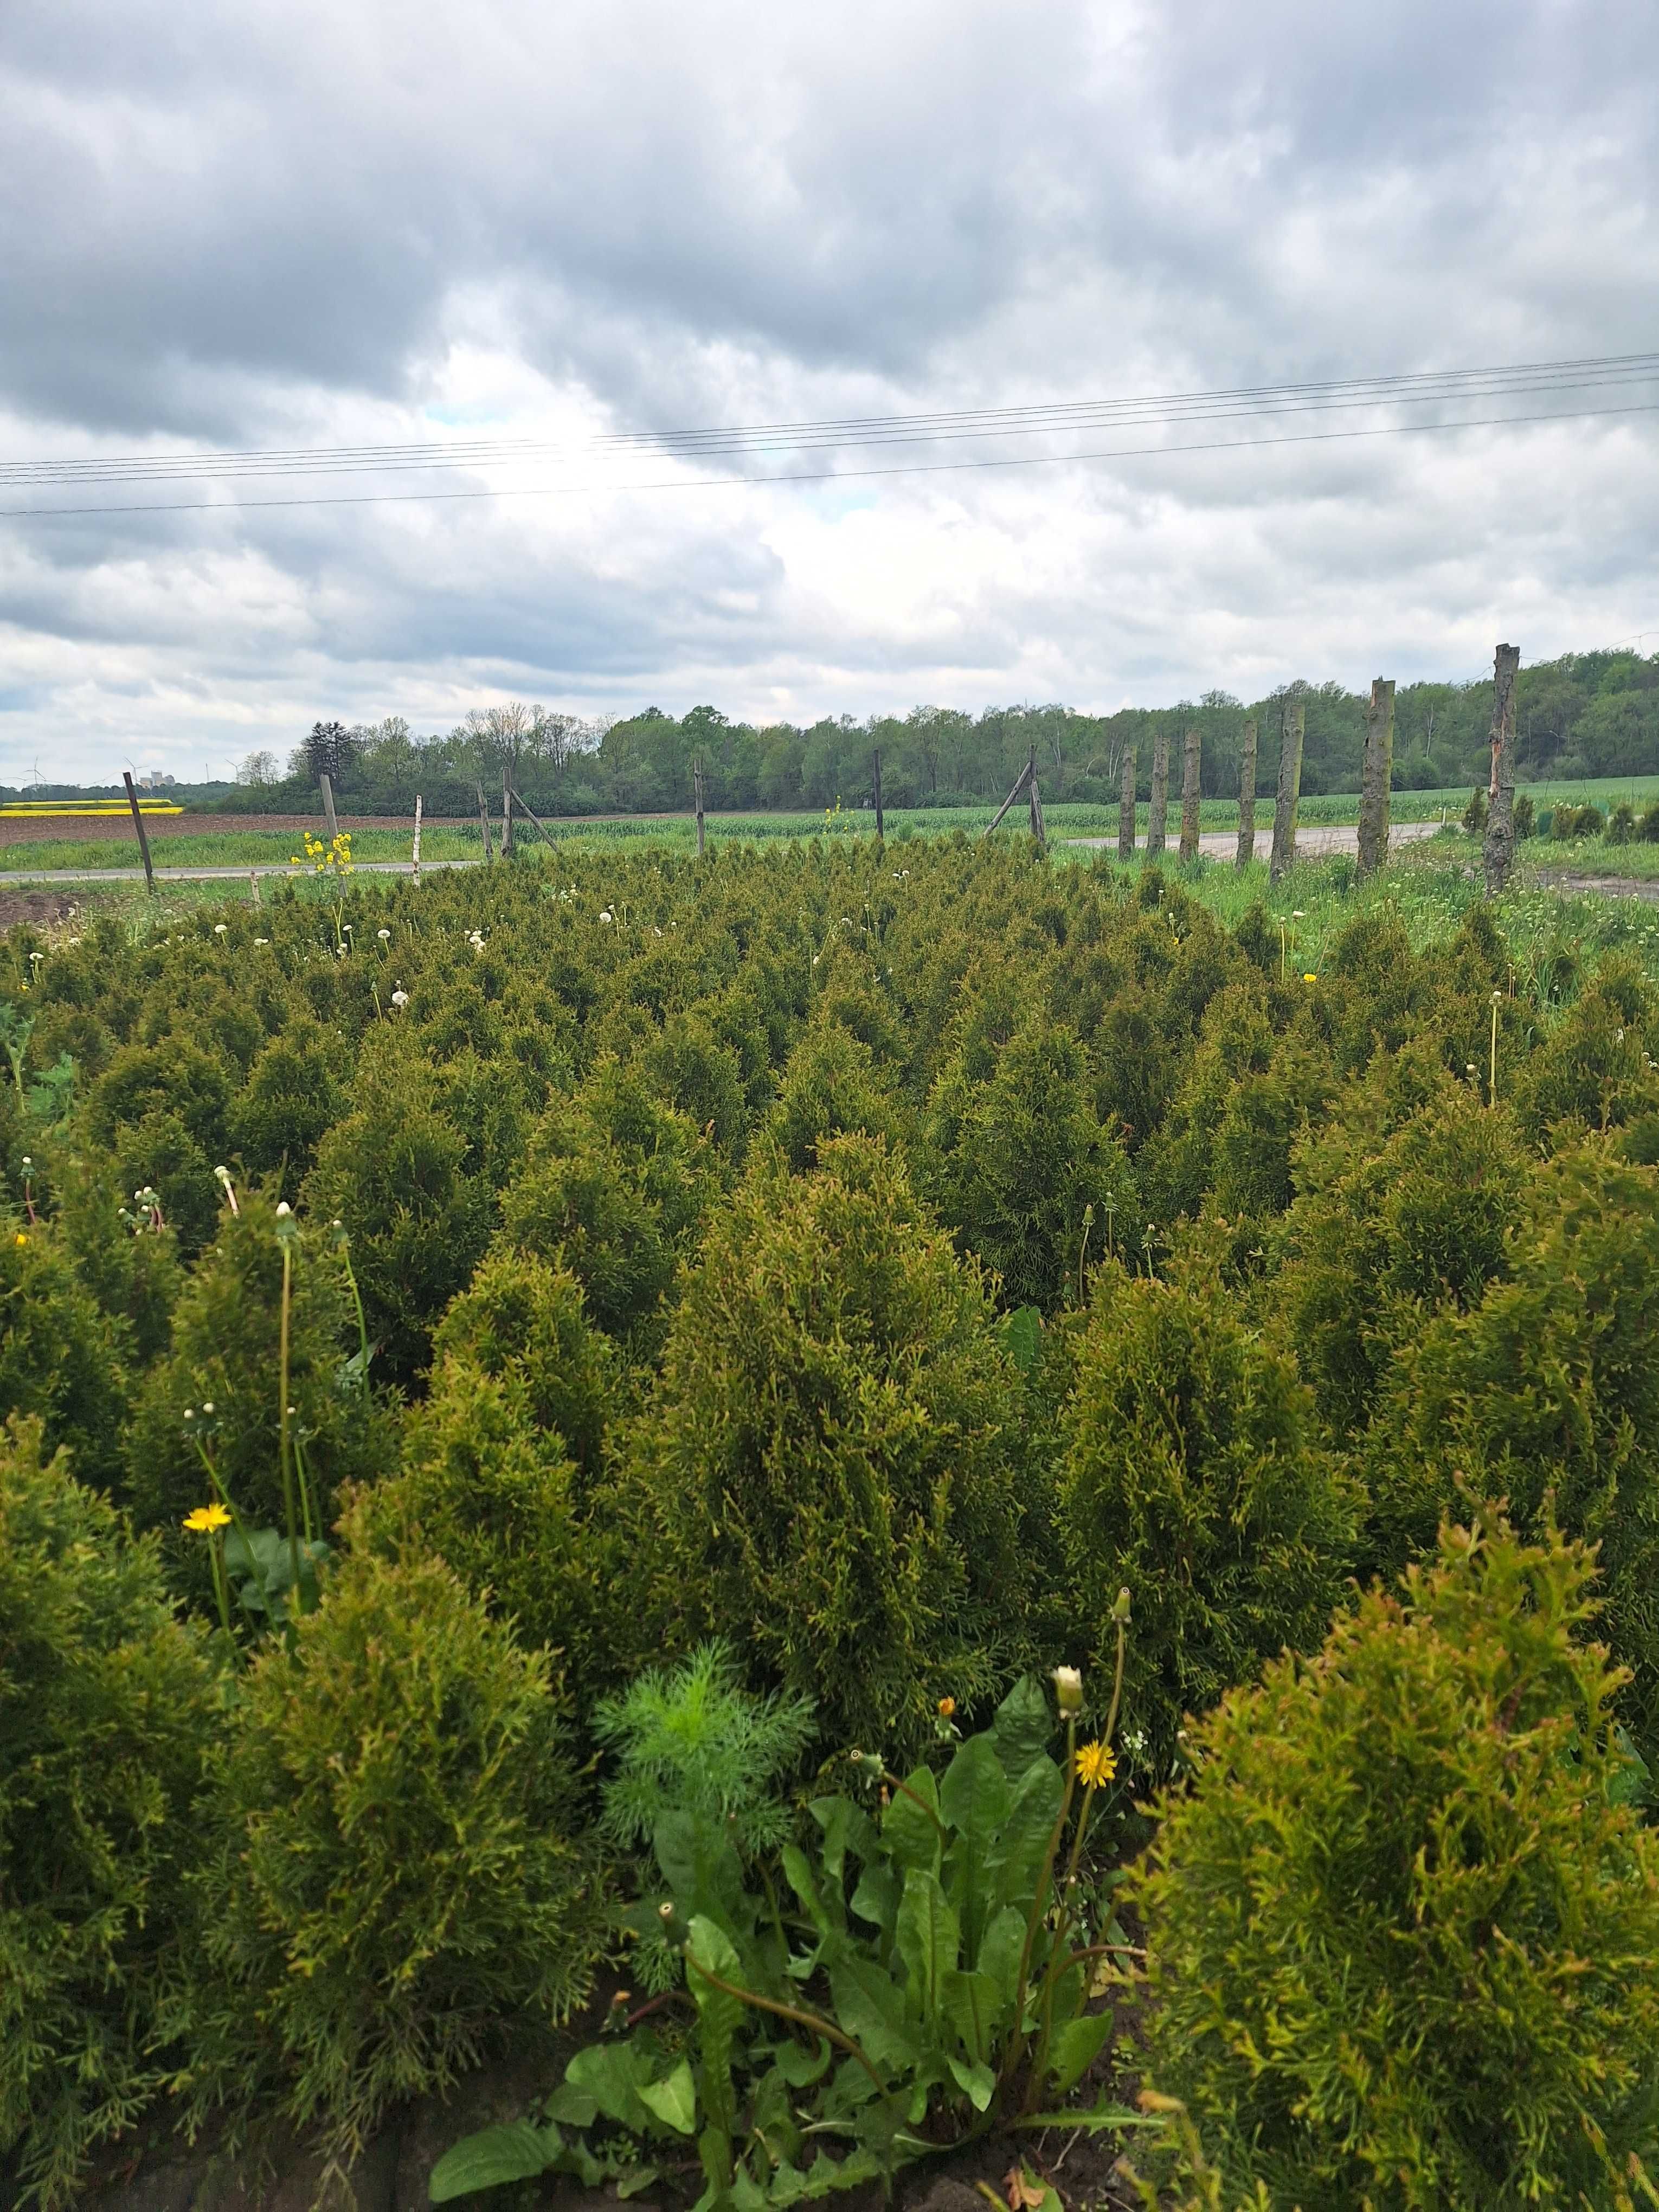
{"points": [[299, 225]]}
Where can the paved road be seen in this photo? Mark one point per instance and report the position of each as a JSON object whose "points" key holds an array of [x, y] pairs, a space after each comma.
{"points": [[1311, 840]]}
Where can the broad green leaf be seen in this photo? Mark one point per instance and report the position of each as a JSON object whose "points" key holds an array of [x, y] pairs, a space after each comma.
{"points": [[1022, 1335], [515, 2151], [720, 2015], [701, 1867], [910, 1826], [972, 2005], [801, 2068], [846, 1827], [634, 2179], [977, 2083], [1103, 2116], [1024, 1727], [998, 1963], [573, 2106], [798, 1869], [610, 2073], [674, 2099], [869, 2004], [1025, 1843], [1075, 2048], [877, 1897], [929, 1937], [975, 1798]]}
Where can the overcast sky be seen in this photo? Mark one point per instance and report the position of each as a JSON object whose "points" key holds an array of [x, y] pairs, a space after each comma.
{"points": [[233, 224]]}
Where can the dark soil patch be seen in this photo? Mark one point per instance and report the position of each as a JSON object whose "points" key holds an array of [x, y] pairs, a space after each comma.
{"points": [[45, 909]]}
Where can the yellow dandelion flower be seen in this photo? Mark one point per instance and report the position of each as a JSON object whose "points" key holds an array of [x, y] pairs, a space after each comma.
{"points": [[946, 1708], [21, 1238], [1096, 1763], [1310, 979], [205, 1519]]}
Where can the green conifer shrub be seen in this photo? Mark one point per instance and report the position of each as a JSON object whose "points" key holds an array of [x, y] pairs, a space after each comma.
{"points": [[1015, 1153], [1547, 1394], [59, 1356], [1403, 1921], [828, 1456], [223, 1367], [292, 1097], [388, 1874], [1191, 1472], [613, 1187], [830, 1084], [405, 1180], [105, 1717]]}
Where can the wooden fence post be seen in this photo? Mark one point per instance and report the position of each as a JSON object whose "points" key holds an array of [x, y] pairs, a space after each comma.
{"points": [[1126, 807], [507, 817], [138, 824], [415, 856], [1290, 789], [880, 831], [1499, 851], [1246, 853], [326, 786], [484, 821], [1191, 767], [697, 800], [1037, 804], [1376, 777], [1157, 813]]}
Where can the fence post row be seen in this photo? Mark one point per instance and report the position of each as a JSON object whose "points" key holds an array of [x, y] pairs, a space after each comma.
{"points": [[1246, 853], [138, 824], [1376, 777], [1290, 789], [1191, 766], [1126, 807], [1500, 849], [1158, 812]]}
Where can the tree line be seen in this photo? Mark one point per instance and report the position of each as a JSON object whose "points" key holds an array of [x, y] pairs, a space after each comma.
{"points": [[1581, 715]]}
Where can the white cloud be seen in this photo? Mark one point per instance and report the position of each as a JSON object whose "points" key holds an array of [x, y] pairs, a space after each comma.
{"points": [[304, 225]]}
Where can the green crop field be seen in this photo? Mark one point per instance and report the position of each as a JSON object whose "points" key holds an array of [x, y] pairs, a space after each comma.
{"points": [[755, 1477]]}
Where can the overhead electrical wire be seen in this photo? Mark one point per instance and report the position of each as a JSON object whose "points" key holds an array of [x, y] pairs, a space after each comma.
{"points": [[853, 435]]}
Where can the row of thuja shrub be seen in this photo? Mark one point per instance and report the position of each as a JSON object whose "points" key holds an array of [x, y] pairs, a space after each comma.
{"points": [[876, 1268]]}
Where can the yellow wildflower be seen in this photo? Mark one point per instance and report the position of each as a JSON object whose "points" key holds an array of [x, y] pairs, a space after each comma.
{"points": [[205, 1519], [21, 1238], [946, 1708], [1310, 979], [1096, 1763]]}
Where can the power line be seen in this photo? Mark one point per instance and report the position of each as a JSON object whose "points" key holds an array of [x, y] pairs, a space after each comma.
{"points": [[825, 476], [1415, 389]]}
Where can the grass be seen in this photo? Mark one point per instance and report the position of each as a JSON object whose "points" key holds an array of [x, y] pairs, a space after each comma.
{"points": [[272, 848]]}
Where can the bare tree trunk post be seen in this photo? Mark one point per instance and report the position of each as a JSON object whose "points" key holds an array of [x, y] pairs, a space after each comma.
{"points": [[507, 817], [143, 836], [1037, 804], [696, 800], [1376, 777], [326, 786], [483, 822], [1157, 813], [1126, 807], [1246, 853], [1290, 790], [880, 829], [1191, 766], [415, 857], [253, 886], [1499, 853]]}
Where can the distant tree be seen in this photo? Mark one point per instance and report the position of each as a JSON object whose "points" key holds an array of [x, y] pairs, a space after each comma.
{"points": [[258, 770], [328, 750]]}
